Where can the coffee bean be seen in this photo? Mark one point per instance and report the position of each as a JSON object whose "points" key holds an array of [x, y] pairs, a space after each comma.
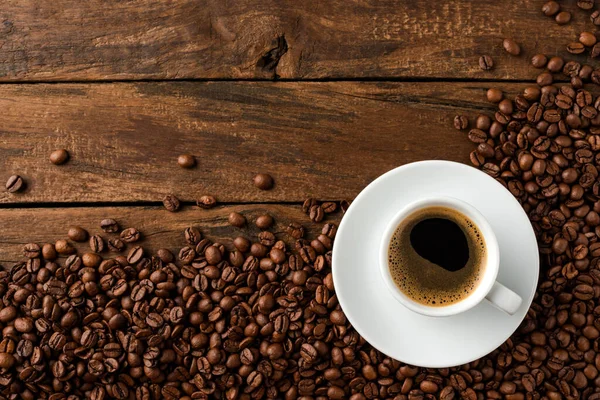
{"points": [[77, 234], [186, 161], [263, 181], [15, 184], [486, 63], [588, 39], [171, 202], [237, 219], [116, 245], [206, 202], [59, 157], [575, 48], [550, 8], [295, 230], [461, 122], [135, 255], [539, 61], [511, 47], [595, 18], [264, 221], [130, 235], [494, 95], [316, 213], [109, 225], [563, 17], [96, 244], [585, 4]]}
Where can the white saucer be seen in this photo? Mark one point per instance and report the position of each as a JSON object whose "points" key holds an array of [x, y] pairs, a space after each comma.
{"points": [[389, 326]]}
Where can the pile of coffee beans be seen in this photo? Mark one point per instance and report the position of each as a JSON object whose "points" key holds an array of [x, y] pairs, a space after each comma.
{"points": [[544, 147]]}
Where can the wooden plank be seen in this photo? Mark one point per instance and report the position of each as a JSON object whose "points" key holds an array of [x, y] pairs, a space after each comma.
{"points": [[159, 228], [48, 40], [326, 140]]}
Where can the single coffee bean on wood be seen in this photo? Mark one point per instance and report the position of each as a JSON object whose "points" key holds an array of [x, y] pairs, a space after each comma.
{"points": [[171, 203], [263, 181], [486, 62], [15, 184], [511, 47], [59, 157], [186, 161]]}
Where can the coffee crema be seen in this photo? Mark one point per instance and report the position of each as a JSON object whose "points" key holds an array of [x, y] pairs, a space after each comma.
{"points": [[437, 256]]}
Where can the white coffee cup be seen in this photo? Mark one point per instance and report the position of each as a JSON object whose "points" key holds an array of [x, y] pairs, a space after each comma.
{"points": [[488, 288]]}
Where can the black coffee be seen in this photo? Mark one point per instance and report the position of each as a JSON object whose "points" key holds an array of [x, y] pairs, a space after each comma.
{"points": [[436, 256]]}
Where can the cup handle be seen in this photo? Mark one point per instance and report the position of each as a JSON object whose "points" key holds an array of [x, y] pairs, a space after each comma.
{"points": [[504, 298]]}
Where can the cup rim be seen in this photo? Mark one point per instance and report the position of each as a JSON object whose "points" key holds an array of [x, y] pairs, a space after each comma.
{"points": [[492, 257]]}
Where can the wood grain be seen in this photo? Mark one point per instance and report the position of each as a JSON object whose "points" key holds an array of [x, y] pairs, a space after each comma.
{"points": [[58, 40], [326, 140], [160, 228]]}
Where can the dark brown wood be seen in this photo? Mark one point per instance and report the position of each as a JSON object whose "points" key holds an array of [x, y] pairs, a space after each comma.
{"points": [[48, 40], [326, 140], [160, 228]]}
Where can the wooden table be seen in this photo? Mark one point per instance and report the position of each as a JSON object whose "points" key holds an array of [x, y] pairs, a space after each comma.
{"points": [[323, 95]]}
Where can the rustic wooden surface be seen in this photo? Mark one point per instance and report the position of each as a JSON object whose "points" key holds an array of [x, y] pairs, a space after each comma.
{"points": [[48, 40], [325, 96], [326, 140], [160, 228]]}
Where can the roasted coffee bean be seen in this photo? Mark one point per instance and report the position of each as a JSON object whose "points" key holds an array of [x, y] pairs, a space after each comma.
{"points": [[77, 234], [587, 39], [316, 213], [494, 95], [585, 4], [511, 47], [486, 63], [264, 221], [563, 17], [186, 161], [109, 225], [171, 203], [461, 122], [264, 181], [130, 235], [96, 243], [206, 202], [237, 219], [59, 157], [575, 48], [539, 61], [15, 184], [550, 8]]}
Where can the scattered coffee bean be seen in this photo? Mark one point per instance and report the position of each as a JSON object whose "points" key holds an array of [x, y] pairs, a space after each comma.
{"points": [[59, 157], [206, 202], [585, 4], [486, 62], [264, 221], [494, 95], [575, 48], [563, 17], [595, 18], [539, 60], [588, 39], [186, 161], [511, 47], [237, 219], [263, 181], [171, 202], [109, 225], [461, 122], [77, 234], [555, 64], [550, 8], [96, 243], [15, 184]]}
